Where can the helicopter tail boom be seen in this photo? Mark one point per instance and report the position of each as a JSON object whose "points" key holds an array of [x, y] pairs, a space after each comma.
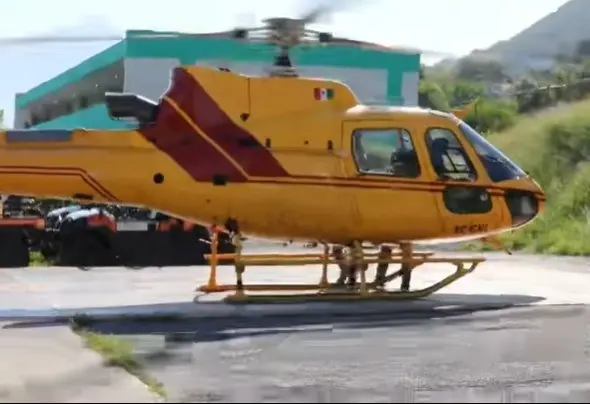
{"points": [[74, 164]]}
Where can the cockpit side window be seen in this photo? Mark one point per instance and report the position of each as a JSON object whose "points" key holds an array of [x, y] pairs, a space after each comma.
{"points": [[498, 166], [385, 152], [448, 157]]}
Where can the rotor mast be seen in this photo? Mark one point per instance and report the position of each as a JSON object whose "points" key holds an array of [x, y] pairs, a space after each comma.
{"points": [[285, 33]]}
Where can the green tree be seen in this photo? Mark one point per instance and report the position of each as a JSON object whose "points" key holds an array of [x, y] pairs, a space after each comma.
{"points": [[583, 49], [473, 69], [463, 92], [524, 91], [1, 118], [563, 76], [492, 115], [431, 96]]}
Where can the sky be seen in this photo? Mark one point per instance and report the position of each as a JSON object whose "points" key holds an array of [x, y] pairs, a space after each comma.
{"points": [[450, 26]]}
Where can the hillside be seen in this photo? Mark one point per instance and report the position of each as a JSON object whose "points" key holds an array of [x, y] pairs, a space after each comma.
{"points": [[536, 46], [556, 33], [554, 147]]}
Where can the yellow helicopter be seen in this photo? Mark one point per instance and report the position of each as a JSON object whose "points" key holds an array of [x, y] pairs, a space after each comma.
{"points": [[262, 156]]}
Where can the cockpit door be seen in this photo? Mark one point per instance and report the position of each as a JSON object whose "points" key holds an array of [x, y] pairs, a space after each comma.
{"points": [[467, 203], [390, 192]]}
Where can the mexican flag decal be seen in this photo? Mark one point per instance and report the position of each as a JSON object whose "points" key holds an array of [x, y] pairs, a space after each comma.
{"points": [[323, 94]]}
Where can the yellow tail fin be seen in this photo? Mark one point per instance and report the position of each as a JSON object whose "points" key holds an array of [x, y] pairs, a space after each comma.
{"points": [[462, 113]]}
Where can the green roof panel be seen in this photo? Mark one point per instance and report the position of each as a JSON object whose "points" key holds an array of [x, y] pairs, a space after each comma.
{"points": [[74, 74]]}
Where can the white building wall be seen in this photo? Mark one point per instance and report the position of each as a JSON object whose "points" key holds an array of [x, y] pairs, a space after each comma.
{"points": [[20, 117], [410, 86], [150, 77]]}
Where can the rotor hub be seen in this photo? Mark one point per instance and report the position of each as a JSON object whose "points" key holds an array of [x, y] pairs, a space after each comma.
{"points": [[285, 32]]}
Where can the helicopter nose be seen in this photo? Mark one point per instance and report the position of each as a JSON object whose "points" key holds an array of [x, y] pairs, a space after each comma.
{"points": [[524, 205]]}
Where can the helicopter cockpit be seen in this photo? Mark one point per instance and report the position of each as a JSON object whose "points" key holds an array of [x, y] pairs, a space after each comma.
{"points": [[448, 157], [391, 151], [498, 166]]}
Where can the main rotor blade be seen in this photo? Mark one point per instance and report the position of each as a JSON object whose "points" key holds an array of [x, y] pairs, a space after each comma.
{"points": [[376, 46], [324, 9], [58, 39], [315, 13]]}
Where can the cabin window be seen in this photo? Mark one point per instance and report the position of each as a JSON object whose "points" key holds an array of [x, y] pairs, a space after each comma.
{"points": [[385, 152], [448, 157]]}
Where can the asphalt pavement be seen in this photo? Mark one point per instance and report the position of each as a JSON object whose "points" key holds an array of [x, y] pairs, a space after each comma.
{"points": [[516, 330], [535, 354]]}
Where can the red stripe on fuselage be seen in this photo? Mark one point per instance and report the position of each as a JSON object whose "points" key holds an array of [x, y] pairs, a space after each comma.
{"points": [[173, 135], [61, 171], [242, 146]]}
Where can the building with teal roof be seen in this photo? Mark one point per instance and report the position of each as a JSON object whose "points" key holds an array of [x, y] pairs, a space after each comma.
{"points": [[141, 64]]}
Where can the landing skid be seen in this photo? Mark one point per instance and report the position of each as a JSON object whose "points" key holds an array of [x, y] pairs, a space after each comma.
{"points": [[354, 263]]}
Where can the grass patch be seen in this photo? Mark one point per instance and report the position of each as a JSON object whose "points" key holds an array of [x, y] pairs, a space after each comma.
{"points": [[36, 259], [554, 147], [116, 352]]}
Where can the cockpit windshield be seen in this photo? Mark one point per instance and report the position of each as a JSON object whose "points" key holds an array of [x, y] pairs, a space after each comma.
{"points": [[498, 166]]}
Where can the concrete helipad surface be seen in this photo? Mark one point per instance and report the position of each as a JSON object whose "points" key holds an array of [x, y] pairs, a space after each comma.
{"points": [[50, 364], [514, 330], [41, 291]]}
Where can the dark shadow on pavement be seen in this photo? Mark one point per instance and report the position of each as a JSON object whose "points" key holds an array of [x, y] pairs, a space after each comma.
{"points": [[205, 327]]}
